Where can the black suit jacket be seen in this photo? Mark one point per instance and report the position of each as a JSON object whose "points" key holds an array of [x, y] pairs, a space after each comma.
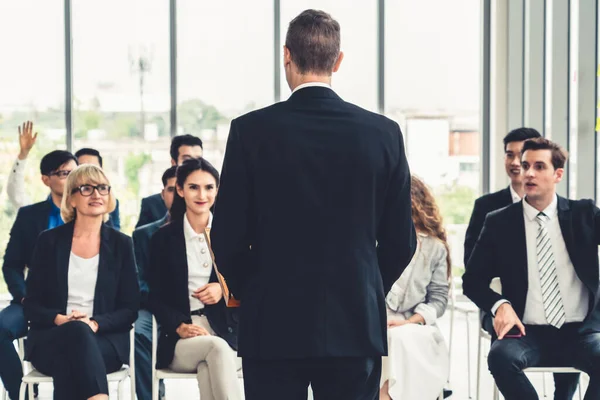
{"points": [[30, 222], [141, 244], [116, 298], [313, 226], [483, 205], [169, 298], [153, 209], [501, 252]]}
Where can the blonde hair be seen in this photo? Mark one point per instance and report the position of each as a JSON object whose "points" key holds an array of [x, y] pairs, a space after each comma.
{"points": [[85, 174]]}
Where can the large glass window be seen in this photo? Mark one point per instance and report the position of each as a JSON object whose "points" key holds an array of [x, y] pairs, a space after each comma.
{"points": [[32, 86], [121, 94], [356, 80], [225, 67], [432, 83]]}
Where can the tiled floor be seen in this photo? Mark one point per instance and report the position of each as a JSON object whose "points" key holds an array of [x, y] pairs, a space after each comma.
{"points": [[178, 390]]}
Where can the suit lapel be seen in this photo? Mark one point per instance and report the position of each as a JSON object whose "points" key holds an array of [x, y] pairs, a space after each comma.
{"points": [[106, 265], [64, 243], [41, 223], [179, 251], [516, 231], [506, 197]]}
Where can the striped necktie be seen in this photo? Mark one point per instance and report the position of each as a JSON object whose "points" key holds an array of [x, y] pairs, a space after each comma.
{"points": [[553, 304]]}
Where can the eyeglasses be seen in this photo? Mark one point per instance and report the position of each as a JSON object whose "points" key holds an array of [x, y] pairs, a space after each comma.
{"points": [[87, 190], [62, 174]]}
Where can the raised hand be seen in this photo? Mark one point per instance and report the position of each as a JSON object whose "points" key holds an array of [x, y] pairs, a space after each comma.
{"points": [[26, 139]]}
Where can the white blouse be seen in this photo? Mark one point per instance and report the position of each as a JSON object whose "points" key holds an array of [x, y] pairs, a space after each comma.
{"points": [[83, 274], [198, 259]]}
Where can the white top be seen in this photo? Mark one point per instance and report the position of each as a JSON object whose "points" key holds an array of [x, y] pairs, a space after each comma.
{"points": [[198, 259], [515, 196], [574, 295], [83, 274], [311, 84], [15, 187]]}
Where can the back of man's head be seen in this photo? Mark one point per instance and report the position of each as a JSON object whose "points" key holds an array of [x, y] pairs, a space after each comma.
{"points": [[86, 151], [313, 40], [520, 135], [168, 174], [53, 160], [183, 140]]}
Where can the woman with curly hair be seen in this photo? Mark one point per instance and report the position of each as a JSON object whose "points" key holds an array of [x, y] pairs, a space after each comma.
{"points": [[417, 363]]}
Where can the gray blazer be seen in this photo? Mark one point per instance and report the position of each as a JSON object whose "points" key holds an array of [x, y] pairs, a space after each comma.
{"points": [[423, 286]]}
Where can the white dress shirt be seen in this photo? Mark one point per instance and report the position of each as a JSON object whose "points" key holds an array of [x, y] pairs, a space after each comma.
{"points": [[198, 259], [311, 84], [83, 274], [515, 196], [574, 295]]}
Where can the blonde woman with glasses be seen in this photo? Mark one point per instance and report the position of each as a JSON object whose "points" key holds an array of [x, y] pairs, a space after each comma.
{"points": [[82, 292]]}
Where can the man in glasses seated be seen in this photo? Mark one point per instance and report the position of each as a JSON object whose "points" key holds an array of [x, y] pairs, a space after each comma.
{"points": [[30, 222]]}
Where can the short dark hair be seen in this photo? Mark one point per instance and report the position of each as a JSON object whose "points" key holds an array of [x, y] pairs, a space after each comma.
{"points": [[313, 39], [53, 160], [183, 140], [183, 171], [520, 135], [86, 151], [168, 174], [559, 155]]}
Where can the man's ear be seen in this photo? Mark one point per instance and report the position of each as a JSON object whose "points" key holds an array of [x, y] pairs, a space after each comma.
{"points": [[46, 180]]}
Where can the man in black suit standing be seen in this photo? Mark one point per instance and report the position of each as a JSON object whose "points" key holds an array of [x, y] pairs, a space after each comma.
{"points": [[183, 147], [565, 384], [544, 249], [312, 227]]}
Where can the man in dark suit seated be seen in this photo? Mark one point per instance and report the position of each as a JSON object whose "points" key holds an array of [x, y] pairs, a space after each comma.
{"points": [[312, 227], [30, 222], [565, 384], [143, 325], [183, 148], [544, 249]]}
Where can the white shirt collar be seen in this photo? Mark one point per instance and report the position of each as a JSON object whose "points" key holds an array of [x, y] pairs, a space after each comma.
{"points": [[189, 232], [515, 196], [531, 212], [311, 84]]}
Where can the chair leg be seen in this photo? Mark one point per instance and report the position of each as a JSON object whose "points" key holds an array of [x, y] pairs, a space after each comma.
{"points": [[441, 396], [30, 391], [154, 388], [451, 335], [496, 392], [579, 388], [120, 389], [22, 391], [478, 387], [544, 384], [468, 356]]}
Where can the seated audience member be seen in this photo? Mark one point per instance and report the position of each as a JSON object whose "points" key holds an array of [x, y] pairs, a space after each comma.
{"points": [[92, 156], [183, 147], [417, 363], [544, 249], [143, 324], [30, 222], [15, 187], [82, 292], [565, 384], [198, 332]]}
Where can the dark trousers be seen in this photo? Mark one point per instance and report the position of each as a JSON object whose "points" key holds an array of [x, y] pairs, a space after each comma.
{"points": [[544, 346], [565, 385], [77, 359], [12, 326], [143, 357], [343, 378]]}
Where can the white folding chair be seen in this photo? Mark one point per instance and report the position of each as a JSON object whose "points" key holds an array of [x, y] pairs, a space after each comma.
{"points": [[120, 376], [466, 308]]}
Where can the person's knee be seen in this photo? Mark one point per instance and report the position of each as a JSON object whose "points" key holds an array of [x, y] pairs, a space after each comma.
{"points": [[501, 359], [78, 332], [220, 348]]}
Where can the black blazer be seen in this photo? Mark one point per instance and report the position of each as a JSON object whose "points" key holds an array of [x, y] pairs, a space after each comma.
{"points": [[483, 205], [116, 299], [30, 222], [169, 298], [153, 209], [141, 245], [501, 252], [313, 226]]}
